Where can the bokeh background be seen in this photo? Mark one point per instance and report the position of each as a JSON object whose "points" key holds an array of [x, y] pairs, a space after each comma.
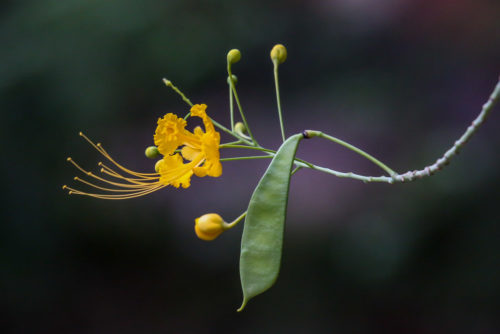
{"points": [[399, 78]]}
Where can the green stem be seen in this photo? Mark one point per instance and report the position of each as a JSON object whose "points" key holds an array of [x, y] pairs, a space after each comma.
{"points": [[236, 221], [232, 143], [258, 148], [233, 88], [366, 179], [226, 130], [231, 107], [296, 170], [177, 90], [247, 158], [312, 133], [305, 164], [278, 100]]}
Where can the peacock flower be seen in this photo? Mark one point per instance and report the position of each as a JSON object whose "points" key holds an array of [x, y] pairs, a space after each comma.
{"points": [[199, 148]]}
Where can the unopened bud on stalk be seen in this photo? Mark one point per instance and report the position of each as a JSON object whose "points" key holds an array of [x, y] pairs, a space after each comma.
{"points": [[278, 54], [209, 226], [152, 152], [233, 56], [240, 129]]}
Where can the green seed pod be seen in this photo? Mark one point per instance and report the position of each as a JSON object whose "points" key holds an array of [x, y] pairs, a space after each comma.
{"points": [[235, 79], [233, 56], [152, 152], [278, 53], [262, 240]]}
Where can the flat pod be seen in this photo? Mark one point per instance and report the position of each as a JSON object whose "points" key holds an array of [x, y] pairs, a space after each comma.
{"points": [[262, 240]]}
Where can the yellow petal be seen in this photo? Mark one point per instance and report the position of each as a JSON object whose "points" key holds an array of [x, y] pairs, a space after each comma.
{"points": [[199, 110], [174, 172], [210, 147], [189, 153], [169, 133], [200, 171], [198, 131]]}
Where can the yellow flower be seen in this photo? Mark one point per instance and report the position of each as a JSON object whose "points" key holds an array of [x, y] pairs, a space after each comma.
{"points": [[169, 133], [209, 226], [200, 148]]}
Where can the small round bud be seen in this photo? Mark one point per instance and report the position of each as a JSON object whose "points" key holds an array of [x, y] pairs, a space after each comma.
{"points": [[278, 53], [233, 56], [235, 79], [240, 128], [157, 165], [209, 226], [152, 152]]}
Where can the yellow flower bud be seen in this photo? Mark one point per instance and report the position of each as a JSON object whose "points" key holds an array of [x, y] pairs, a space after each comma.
{"points": [[209, 226], [157, 165], [278, 53], [233, 56], [152, 152]]}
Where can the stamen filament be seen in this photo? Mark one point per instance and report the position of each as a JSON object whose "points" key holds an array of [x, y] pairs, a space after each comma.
{"points": [[110, 189], [124, 185], [101, 150], [116, 174], [115, 197]]}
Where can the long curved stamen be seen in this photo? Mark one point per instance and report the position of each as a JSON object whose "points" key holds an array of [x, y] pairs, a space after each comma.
{"points": [[109, 189], [101, 150], [110, 171], [124, 185], [114, 197]]}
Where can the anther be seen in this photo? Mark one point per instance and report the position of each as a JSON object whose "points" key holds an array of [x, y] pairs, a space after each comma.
{"points": [[68, 159], [75, 178], [64, 187], [80, 134]]}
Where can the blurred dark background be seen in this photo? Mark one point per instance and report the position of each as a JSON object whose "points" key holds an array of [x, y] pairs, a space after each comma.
{"points": [[401, 79]]}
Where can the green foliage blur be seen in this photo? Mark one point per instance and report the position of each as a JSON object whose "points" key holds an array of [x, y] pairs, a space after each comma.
{"points": [[400, 79]]}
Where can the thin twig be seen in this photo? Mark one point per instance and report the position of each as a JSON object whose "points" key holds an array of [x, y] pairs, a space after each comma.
{"points": [[459, 144]]}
